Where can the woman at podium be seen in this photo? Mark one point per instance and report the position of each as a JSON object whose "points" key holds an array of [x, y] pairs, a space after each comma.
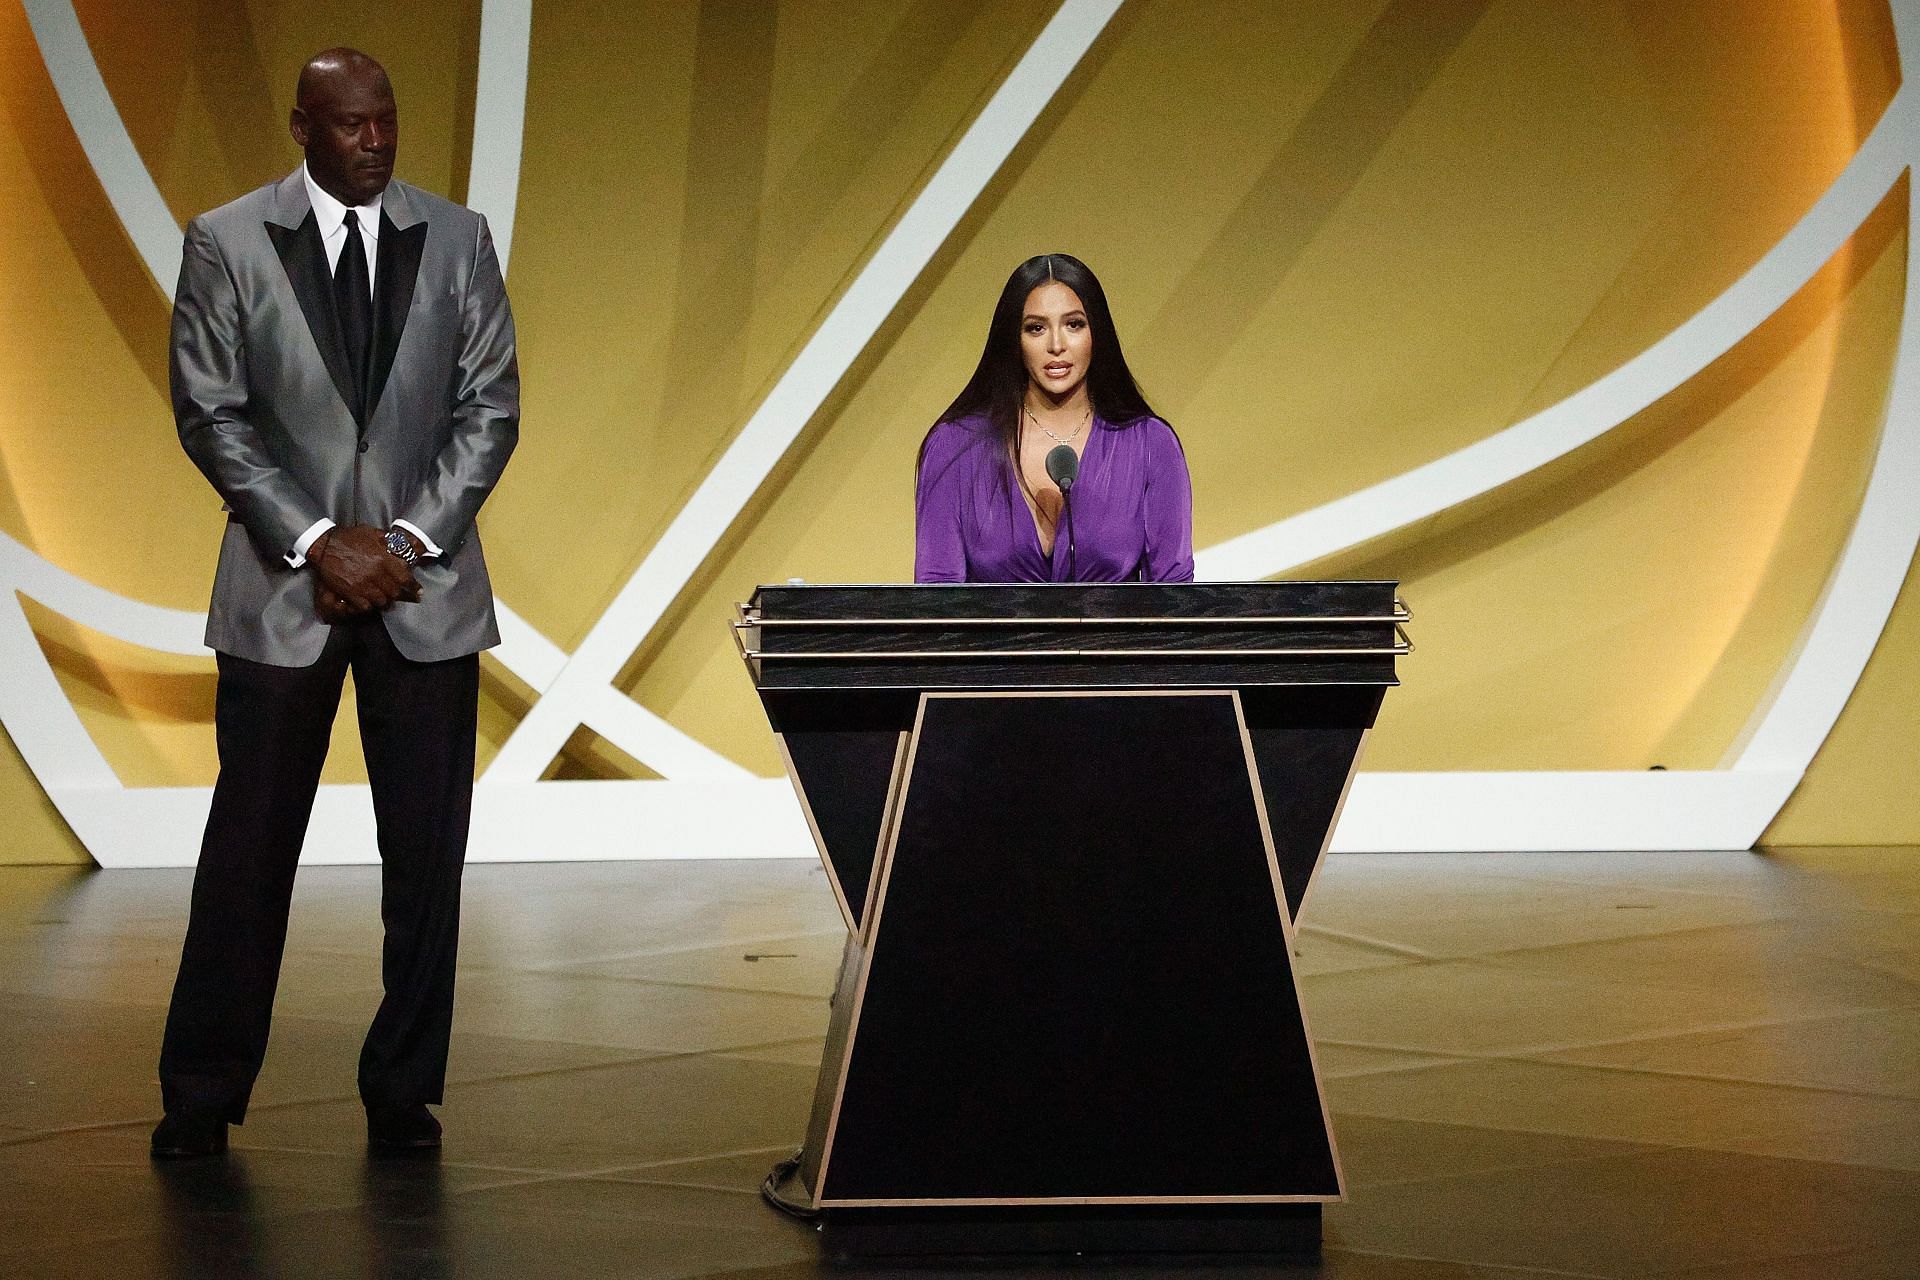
{"points": [[1050, 466]]}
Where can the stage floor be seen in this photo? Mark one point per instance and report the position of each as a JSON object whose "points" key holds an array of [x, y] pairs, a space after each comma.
{"points": [[1623, 1065]]}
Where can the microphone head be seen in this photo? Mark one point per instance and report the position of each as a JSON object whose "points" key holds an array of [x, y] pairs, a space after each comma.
{"points": [[1063, 466]]}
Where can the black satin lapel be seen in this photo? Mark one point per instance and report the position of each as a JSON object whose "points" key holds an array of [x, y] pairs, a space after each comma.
{"points": [[305, 260], [394, 272]]}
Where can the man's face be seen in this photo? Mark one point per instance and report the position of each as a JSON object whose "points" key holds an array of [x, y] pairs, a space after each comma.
{"points": [[349, 128]]}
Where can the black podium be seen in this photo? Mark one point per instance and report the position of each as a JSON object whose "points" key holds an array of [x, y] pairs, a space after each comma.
{"points": [[1071, 828]]}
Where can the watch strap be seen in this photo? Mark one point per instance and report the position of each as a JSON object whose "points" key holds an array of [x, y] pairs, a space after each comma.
{"points": [[401, 545]]}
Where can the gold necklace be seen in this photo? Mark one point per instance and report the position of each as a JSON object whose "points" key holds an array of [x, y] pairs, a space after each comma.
{"points": [[1057, 439]]}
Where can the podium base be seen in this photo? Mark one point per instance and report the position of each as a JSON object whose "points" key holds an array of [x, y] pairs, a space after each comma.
{"points": [[1282, 1232]]}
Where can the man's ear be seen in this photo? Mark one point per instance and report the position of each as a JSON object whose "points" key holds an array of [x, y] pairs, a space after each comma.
{"points": [[298, 127]]}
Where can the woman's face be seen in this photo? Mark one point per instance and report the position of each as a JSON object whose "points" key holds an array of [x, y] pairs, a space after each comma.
{"points": [[1055, 341]]}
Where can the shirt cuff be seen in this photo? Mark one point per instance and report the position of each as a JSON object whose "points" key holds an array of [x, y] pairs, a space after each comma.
{"points": [[298, 556], [433, 548]]}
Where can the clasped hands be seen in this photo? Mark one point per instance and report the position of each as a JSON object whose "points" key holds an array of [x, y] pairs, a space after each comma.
{"points": [[357, 574]]}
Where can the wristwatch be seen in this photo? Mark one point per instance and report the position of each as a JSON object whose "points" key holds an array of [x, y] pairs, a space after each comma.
{"points": [[401, 545]]}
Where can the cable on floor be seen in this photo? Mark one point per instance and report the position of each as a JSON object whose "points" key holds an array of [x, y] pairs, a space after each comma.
{"points": [[770, 1189]]}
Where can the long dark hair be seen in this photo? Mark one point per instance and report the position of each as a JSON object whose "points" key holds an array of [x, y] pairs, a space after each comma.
{"points": [[998, 386]]}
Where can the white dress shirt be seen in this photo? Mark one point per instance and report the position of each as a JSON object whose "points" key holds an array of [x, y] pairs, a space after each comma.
{"points": [[331, 216]]}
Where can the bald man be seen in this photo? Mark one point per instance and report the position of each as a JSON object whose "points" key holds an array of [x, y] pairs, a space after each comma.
{"points": [[344, 375]]}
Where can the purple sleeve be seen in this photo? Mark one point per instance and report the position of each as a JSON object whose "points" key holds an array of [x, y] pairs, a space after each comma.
{"points": [[938, 552], [1169, 555]]}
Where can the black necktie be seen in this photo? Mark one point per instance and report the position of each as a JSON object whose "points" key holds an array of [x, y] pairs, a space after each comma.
{"points": [[353, 301]]}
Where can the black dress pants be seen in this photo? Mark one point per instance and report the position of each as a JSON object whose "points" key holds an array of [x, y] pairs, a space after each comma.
{"points": [[417, 725]]}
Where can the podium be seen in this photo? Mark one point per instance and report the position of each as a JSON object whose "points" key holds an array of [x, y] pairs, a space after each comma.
{"points": [[1071, 829]]}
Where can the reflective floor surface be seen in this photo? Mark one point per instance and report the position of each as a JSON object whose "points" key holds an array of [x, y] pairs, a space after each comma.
{"points": [[1624, 1065]]}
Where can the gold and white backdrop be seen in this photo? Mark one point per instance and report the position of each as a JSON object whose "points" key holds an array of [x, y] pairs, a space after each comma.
{"points": [[1583, 319]]}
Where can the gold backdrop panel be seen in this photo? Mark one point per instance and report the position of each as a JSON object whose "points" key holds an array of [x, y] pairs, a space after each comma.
{"points": [[1864, 786], [1534, 216], [36, 833], [699, 183], [1341, 241], [1381, 234], [1770, 102], [94, 479], [205, 88], [1631, 606]]}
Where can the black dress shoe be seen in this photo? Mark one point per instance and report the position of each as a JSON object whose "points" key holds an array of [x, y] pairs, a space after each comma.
{"points": [[411, 1128], [185, 1135]]}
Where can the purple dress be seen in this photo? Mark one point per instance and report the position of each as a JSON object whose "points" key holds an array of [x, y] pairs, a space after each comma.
{"points": [[1131, 512]]}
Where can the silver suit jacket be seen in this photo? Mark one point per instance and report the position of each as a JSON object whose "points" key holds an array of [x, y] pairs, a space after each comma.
{"points": [[261, 397]]}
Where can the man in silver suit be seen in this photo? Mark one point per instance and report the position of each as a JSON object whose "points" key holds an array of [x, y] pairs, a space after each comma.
{"points": [[343, 373]]}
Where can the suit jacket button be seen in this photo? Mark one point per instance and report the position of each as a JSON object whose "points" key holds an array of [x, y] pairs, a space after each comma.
{"points": [[364, 446]]}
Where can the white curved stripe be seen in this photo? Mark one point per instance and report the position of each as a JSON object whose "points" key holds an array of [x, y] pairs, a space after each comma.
{"points": [[1553, 811], [1847, 624], [103, 136], [40, 718], [493, 190], [1853, 611], [147, 625], [1601, 405], [499, 117], [525, 652], [512, 822], [805, 385]]}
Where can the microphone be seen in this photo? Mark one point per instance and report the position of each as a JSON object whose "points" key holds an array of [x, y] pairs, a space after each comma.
{"points": [[1063, 468]]}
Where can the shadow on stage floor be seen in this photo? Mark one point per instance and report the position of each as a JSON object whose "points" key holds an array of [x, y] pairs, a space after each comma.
{"points": [[1570, 1065]]}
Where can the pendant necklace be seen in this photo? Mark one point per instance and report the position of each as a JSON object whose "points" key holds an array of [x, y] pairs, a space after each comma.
{"points": [[1060, 439]]}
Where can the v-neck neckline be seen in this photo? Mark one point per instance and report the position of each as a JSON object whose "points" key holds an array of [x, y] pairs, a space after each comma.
{"points": [[1049, 556]]}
